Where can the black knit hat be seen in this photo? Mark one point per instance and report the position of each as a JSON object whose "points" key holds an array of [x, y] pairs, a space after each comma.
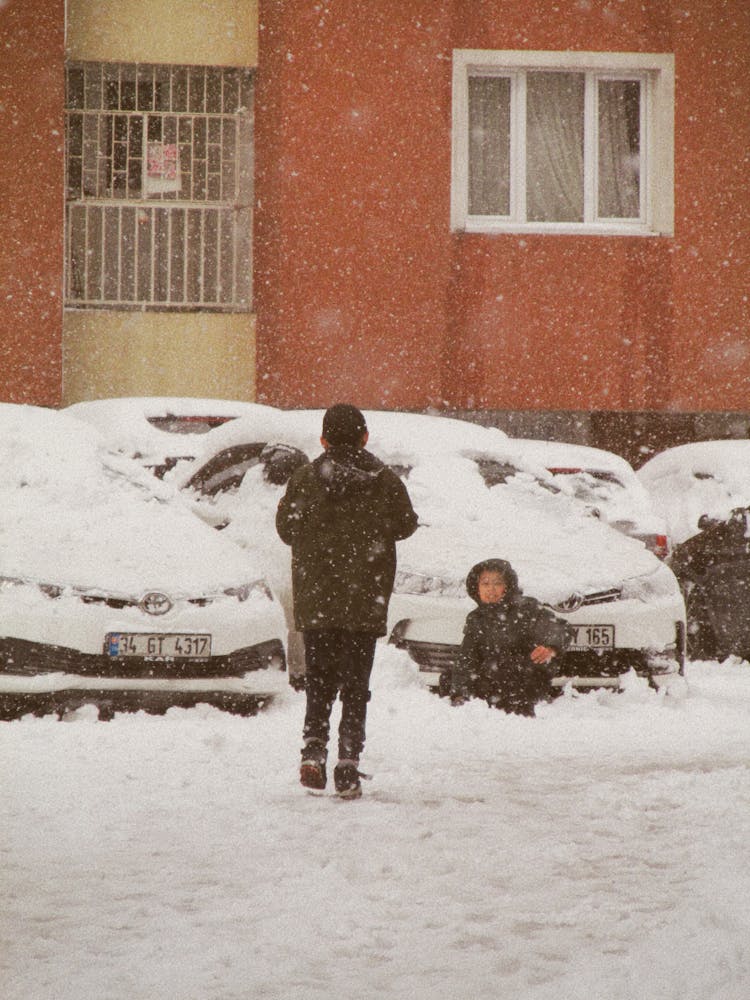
{"points": [[343, 424]]}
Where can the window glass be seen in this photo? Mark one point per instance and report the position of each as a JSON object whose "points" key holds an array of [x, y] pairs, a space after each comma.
{"points": [[489, 145], [619, 121], [226, 470], [554, 147]]}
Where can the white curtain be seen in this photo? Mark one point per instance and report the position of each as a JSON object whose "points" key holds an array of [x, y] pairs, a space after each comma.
{"points": [[554, 147], [489, 145], [619, 149]]}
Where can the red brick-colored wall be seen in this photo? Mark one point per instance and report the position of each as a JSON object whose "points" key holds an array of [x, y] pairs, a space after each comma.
{"points": [[363, 292], [711, 266], [31, 200], [352, 172]]}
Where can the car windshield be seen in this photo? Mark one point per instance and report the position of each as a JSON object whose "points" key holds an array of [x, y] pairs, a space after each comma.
{"points": [[173, 423], [226, 470], [590, 485], [497, 472]]}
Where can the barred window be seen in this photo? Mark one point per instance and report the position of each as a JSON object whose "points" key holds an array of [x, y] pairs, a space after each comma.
{"points": [[159, 164]]}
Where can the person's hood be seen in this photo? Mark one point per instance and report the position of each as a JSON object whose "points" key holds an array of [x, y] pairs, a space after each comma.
{"points": [[345, 469], [501, 566]]}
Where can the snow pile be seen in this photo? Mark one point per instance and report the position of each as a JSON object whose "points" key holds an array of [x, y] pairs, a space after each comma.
{"points": [[600, 850]]}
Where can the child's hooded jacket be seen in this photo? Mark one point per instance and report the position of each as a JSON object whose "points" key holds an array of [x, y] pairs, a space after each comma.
{"points": [[498, 638]]}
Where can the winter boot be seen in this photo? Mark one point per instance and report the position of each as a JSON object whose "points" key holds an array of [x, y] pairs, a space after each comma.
{"points": [[346, 779], [312, 771]]}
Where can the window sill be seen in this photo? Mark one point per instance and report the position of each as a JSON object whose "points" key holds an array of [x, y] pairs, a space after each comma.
{"points": [[492, 227]]}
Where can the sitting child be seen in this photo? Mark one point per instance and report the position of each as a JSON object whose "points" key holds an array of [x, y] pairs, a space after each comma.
{"points": [[509, 643]]}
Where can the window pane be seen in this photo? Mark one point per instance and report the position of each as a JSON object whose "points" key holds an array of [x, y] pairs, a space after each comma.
{"points": [[489, 145], [554, 147], [619, 149]]}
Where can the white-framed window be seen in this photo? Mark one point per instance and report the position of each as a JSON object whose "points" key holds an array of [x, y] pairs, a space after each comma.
{"points": [[158, 207], [563, 142]]}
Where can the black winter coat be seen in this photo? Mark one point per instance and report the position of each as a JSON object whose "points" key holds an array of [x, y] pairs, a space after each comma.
{"points": [[342, 515], [498, 639]]}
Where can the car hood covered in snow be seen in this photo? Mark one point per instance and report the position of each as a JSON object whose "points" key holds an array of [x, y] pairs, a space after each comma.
{"points": [[73, 514]]}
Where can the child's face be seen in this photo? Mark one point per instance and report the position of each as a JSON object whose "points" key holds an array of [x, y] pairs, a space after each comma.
{"points": [[491, 586]]}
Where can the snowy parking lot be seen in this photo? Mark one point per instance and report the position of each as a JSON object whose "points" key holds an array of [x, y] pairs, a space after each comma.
{"points": [[600, 850]]}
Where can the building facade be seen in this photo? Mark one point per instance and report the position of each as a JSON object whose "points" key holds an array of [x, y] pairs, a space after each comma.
{"points": [[535, 213]]}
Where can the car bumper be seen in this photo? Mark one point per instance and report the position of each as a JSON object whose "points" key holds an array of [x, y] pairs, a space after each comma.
{"points": [[81, 624], [649, 638], [436, 660], [54, 679]]}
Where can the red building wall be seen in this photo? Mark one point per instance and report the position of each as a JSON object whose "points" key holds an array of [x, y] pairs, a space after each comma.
{"points": [[31, 199], [363, 292], [352, 259]]}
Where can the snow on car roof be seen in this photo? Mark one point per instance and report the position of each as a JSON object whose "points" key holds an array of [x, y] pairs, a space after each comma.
{"points": [[701, 477], [395, 437], [568, 455], [73, 513], [125, 422], [616, 486]]}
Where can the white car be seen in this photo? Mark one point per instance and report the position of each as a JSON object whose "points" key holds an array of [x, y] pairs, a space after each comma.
{"points": [[111, 592], [604, 481], [476, 498], [158, 431], [689, 481]]}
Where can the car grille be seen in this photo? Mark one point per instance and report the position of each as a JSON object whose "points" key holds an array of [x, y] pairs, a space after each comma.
{"points": [[603, 596], [125, 602], [433, 657], [18, 656]]}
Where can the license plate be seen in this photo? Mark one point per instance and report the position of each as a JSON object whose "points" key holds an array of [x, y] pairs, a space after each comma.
{"points": [[592, 637], [185, 645]]}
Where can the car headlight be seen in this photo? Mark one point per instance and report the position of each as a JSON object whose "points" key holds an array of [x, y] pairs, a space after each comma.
{"points": [[247, 590], [420, 583], [660, 583]]}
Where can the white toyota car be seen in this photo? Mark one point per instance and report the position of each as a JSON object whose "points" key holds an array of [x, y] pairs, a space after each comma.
{"points": [[111, 592]]}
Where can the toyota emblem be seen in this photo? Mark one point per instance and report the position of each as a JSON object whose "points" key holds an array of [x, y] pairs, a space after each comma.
{"points": [[572, 603], [155, 603]]}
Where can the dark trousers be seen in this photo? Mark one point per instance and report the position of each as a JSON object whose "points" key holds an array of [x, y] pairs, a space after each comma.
{"points": [[515, 686], [338, 661]]}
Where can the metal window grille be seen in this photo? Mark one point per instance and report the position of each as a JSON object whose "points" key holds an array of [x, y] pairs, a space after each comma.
{"points": [[159, 163]]}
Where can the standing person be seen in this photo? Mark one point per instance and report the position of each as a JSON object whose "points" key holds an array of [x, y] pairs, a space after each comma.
{"points": [[509, 644], [342, 515]]}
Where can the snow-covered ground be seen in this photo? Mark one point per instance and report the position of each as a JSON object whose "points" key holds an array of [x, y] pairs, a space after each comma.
{"points": [[600, 851]]}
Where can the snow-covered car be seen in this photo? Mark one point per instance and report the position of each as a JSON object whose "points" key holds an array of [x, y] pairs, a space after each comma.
{"points": [[158, 431], [476, 497], [689, 481], [112, 592], [703, 491], [604, 481]]}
